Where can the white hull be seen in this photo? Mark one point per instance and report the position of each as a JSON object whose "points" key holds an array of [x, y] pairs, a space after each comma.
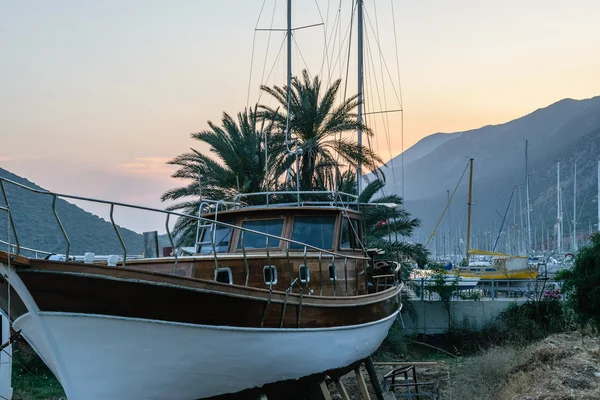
{"points": [[97, 357], [102, 357]]}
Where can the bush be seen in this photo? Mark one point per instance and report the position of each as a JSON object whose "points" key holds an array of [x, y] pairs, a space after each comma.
{"points": [[582, 284]]}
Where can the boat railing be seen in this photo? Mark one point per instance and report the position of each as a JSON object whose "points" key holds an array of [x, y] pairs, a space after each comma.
{"points": [[213, 223], [303, 198]]}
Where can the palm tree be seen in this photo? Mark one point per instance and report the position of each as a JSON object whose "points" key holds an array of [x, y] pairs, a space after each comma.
{"points": [[386, 227], [237, 165], [318, 126]]}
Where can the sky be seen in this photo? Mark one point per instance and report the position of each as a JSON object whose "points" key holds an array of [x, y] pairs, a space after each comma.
{"points": [[96, 96]]}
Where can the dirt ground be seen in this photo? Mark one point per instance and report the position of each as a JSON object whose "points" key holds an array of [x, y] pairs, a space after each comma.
{"points": [[560, 367]]}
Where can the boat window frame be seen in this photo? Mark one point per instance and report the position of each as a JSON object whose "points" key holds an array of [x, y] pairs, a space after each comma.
{"points": [[355, 238], [238, 239], [332, 267], [229, 273], [273, 269], [207, 229], [334, 236], [307, 268]]}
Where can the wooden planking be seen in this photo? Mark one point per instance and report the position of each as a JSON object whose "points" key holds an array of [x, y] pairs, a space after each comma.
{"points": [[91, 294], [186, 282], [342, 390]]}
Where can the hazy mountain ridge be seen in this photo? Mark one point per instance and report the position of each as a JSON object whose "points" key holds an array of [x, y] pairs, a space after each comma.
{"points": [[567, 131], [37, 227]]}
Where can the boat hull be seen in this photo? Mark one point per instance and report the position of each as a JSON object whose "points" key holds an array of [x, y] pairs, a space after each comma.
{"points": [[124, 334], [100, 357]]}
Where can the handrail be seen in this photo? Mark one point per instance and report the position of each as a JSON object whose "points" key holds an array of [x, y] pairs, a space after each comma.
{"points": [[48, 253], [184, 215], [10, 218], [62, 229]]}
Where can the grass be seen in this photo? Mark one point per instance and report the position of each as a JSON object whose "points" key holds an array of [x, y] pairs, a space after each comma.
{"points": [[485, 375], [31, 378]]}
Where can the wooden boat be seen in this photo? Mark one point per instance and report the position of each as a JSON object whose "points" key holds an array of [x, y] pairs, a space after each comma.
{"points": [[275, 293]]}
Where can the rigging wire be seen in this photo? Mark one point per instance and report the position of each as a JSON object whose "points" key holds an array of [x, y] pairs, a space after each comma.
{"points": [[385, 116], [273, 66], [383, 58], [401, 99], [252, 54], [447, 204], [262, 81], [325, 54], [301, 55]]}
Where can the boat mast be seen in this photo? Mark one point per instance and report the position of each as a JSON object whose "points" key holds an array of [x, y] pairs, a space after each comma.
{"points": [[359, 98], [598, 199], [469, 207], [288, 138], [528, 247], [558, 210], [575, 208]]}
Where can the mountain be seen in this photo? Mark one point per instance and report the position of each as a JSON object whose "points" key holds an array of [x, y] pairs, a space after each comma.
{"points": [[37, 227], [567, 131]]}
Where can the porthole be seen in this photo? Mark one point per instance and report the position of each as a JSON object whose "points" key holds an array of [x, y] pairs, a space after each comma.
{"points": [[304, 273], [270, 274], [332, 272], [224, 276]]}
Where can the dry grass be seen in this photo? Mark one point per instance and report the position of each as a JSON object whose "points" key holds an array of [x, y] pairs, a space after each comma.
{"points": [[559, 367], [483, 376]]}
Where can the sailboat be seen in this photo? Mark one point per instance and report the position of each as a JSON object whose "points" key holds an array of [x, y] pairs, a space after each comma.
{"points": [[271, 295], [491, 264]]}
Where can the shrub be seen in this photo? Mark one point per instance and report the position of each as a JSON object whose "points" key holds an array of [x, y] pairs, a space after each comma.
{"points": [[582, 284]]}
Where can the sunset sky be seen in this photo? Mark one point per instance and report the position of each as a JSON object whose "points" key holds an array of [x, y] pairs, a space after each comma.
{"points": [[96, 96]]}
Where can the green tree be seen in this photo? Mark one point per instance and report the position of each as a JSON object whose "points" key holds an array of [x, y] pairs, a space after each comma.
{"points": [[582, 283], [319, 126], [387, 226], [236, 164]]}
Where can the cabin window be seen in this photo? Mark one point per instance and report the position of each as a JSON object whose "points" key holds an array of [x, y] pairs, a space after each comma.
{"points": [[270, 274], [490, 270], [304, 273], [350, 235], [314, 231], [221, 235], [356, 233], [475, 269], [224, 276], [345, 239], [255, 241], [332, 272]]}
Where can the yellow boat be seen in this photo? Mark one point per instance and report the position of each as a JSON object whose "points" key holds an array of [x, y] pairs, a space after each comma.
{"points": [[500, 266]]}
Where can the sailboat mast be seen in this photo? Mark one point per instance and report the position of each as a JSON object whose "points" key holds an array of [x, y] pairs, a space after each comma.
{"points": [[558, 210], [575, 208], [469, 207], [359, 117], [528, 247], [598, 199]]}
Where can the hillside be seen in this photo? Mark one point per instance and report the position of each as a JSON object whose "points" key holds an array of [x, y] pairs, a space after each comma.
{"points": [[567, 131], [37, 228]]}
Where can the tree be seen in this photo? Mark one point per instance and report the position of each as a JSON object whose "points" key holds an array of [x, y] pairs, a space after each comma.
{"points": [[582, 283], [386, 227], [237, 165], [319, 125]]}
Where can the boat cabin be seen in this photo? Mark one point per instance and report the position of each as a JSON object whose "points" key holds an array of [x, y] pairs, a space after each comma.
{"points": [[313, 250]]}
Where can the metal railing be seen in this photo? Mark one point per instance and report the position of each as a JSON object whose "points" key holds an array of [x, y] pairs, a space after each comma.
{"points": [[212, 223], [488, 289]]}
